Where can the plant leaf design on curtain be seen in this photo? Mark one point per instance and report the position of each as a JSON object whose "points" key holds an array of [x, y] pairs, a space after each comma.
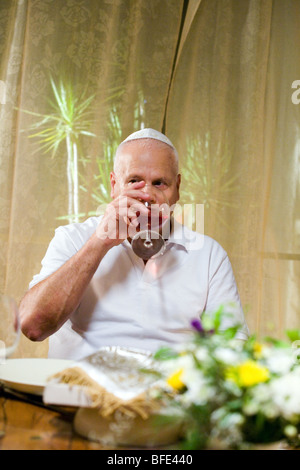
{"points": [[70, 119]]}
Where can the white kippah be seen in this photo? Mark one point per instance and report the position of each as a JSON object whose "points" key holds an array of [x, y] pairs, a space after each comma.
{"points": [[149, 134]]}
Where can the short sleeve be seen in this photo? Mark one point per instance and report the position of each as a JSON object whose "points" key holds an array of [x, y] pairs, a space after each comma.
{"points": [[223, 291], [60, 250], [67, 240]]}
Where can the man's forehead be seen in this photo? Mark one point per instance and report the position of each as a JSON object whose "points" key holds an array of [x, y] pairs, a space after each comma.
{"points": [[146, 157], [145, 153]]}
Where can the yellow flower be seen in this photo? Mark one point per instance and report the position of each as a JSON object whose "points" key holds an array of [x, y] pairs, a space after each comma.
{"points": [[247, 374], [174, 380], [258, 349]]}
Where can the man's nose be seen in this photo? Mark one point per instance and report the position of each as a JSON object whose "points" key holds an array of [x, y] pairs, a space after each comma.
{"points": [[150, 189]]}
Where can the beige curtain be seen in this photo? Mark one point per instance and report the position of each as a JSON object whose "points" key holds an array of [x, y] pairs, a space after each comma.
{"points": [[216, 75], [231, 115]]}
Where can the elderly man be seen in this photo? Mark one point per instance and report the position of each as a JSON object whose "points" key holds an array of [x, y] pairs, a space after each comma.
{"points": [[94, 291]]}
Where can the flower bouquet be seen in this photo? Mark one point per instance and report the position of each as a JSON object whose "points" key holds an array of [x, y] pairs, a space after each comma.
{"points": [[232, 394]]}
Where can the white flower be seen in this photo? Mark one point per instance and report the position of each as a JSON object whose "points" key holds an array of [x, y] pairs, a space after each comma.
{"points": [[286, 394], [198, 391], [270, 410], [171, 366], [186, 362], [262, 393], [228, 356], [227, 426], [235, 419], [201, 354], [290, 431], [251, 408], [280, 361], [262, 400]]}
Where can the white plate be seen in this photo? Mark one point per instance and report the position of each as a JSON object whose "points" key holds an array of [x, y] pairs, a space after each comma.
{"points": [[30, 375]]}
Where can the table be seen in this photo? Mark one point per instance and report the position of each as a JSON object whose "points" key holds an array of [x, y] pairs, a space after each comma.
{"points": [[25, 426]]}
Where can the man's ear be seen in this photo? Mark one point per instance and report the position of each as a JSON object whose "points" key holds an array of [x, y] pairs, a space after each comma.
{"points": [[113, 181], [178, 182]]}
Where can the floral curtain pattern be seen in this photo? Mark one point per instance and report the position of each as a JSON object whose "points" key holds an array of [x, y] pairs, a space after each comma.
{"points": [[217, 74]]}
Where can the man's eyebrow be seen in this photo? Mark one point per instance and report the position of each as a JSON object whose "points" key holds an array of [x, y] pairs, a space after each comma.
{"points": [[134, 176], [163, 179]]}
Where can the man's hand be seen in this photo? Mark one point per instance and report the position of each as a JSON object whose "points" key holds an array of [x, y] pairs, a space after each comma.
{"points": [[121, 217]]}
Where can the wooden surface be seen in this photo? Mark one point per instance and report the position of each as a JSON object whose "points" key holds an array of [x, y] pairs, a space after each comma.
{"points": [[24, 426]]}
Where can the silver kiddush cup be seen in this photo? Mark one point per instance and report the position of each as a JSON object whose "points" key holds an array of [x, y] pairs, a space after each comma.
{"points": [[148, 243]]}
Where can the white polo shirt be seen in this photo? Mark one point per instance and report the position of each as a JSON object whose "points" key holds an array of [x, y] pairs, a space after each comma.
{"points": [[141, 306]]}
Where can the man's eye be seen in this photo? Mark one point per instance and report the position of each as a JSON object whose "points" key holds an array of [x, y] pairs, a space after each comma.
{"points": [[132, 180]]}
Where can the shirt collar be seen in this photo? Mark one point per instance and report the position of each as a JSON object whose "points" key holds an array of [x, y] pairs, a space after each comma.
{"points": [[178, 235]]}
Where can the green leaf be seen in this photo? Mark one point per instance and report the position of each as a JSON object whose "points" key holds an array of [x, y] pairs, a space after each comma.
{"points": [[293, 335], [217, 318], [152, 372], [234, 405], [277, 342], [230, 333], [165, 354]]}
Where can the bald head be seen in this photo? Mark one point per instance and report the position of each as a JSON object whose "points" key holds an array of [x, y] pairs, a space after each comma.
{"points": [[145, 139], [147, 160], [144, 146]]}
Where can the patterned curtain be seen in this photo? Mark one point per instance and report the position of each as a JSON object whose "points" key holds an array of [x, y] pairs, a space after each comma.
{"points": [[215, 75]]}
